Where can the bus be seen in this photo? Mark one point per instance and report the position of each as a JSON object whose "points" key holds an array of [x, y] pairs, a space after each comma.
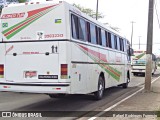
{"points": [[139, 63], [55, 49]]}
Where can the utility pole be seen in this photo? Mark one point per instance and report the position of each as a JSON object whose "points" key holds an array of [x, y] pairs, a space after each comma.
{"points": [[132, 32], [97, 11], [139, 41], [148, 73]]}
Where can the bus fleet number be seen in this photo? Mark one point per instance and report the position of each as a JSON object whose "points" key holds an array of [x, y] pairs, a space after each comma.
{"points": [[53, 35]]}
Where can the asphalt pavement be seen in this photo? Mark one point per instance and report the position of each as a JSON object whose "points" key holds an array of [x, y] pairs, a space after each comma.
{"points": [[40, 102], [141, 106]]}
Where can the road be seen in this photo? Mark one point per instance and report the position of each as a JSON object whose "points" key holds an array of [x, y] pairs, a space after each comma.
{"points": [[39, 102]]}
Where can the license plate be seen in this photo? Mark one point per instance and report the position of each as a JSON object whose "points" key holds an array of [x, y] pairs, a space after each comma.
{"points": [[30, 74], [47, 76]]}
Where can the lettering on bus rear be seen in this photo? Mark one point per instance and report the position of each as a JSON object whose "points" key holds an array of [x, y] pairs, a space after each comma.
{"points": [[14, 15]]}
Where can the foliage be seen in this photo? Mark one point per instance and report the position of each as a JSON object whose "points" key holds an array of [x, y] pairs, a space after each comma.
{"points": [[115, 28], [92, 14], [89, 11], [22, 1]]}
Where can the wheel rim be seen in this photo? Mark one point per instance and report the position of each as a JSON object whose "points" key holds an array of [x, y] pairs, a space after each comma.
{"points": [[128, 80], [101, 88]]}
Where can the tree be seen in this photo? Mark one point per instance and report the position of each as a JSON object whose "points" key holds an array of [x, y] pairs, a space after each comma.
{"points": [[89, 11], [115, 28], [92, 14], [10, 1], [6, 2], [112, 27], [22, 1]]}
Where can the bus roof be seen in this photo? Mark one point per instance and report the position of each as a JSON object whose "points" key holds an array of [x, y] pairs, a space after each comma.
{"points": [[72, 9]]}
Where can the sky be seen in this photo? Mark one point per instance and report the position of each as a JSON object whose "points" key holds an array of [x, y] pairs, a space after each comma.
{"points": [[120, 13]]}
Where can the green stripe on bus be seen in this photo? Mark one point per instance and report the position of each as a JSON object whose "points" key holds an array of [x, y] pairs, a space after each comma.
{"points": [[5, 31], [112, 74], [103, 66], [20, 29], [141, 55], [119, 73], [27, 19]]}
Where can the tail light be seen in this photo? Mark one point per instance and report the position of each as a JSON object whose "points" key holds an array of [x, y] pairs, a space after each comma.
{"points": [[64, 71], [1, 71]]}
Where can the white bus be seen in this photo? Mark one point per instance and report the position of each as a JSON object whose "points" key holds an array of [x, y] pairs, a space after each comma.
{"points": [[55, 49], [138, 62]]}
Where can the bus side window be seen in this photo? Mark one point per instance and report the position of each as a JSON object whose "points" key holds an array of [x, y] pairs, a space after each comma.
{"points": [[109, 40], [82, 30], [112, 41], [118, 44], [121, 44], [75, 27], [88, 32], [115, 42], [99, 36], [125, 44], [93, 33], [104, 40]]}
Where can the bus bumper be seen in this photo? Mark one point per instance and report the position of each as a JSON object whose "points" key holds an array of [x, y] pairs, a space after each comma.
{"points": [[138, 71], [36, 88]]}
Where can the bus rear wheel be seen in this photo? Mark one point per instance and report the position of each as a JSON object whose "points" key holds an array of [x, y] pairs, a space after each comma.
{"points": [[99, 93]]}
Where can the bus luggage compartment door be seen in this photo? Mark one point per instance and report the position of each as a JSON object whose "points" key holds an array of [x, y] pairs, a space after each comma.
{"points": [[32, 62]]}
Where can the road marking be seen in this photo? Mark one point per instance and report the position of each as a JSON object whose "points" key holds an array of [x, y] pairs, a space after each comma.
{"points": [[113, 106]]}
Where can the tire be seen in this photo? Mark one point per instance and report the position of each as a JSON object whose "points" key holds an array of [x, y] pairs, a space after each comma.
{"points": [[57, 95], [125, 85], [99, 93], [135, 74]]}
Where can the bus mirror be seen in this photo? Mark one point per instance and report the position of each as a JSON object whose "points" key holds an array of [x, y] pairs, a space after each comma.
{"points": [[131, 52]]}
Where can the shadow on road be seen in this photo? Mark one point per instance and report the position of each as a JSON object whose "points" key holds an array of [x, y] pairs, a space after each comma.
{"points": [[75, 102]]}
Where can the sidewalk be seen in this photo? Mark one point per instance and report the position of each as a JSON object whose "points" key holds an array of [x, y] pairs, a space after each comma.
{"points": [[140, 102]]}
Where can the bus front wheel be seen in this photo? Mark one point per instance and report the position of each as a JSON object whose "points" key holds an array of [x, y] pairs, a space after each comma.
{"points": [[125, 85], [99, 93]]}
